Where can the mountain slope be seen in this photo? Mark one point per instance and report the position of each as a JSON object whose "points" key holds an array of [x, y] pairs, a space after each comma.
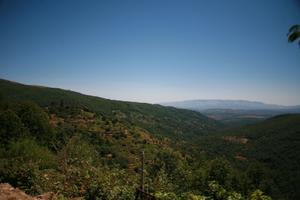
{"points": [[156, 119], [73, 152], [81, 142], [271, 147]]}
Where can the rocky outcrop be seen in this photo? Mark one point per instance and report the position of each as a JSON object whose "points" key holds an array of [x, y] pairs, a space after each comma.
{"points": [[7, 192]]}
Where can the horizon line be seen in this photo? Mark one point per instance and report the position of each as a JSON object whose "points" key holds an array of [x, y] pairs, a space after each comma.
{"points": [[136, 101]]}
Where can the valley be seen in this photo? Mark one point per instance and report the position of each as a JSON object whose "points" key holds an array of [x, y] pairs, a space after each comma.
{"points": [[79, 146], [235, 112]]}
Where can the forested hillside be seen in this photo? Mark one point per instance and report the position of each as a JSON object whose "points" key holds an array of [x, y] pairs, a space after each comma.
{"points": [[75, 145], [159, 120], [271, 148]]}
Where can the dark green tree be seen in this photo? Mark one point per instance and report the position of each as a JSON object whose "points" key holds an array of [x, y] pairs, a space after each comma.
{"points": [[220, 170], [294, 33], [36, 120], [11, 126]]}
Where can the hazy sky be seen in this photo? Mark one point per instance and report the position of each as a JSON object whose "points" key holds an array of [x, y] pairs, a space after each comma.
{"points": [[154, 50]]}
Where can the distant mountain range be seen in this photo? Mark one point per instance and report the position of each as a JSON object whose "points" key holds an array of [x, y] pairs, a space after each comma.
{"points": [[201, 105], [235, 112]]}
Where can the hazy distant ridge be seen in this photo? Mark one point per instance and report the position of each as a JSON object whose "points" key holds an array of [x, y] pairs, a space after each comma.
{"points": [[228, 104]]}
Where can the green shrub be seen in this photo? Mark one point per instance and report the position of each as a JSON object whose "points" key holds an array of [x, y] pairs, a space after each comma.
{"points": [[11, 127], [28, 151], [259, 195], [21, 163], [36, 120]]}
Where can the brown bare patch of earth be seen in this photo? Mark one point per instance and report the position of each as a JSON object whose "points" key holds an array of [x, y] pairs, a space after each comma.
{"points": [[7, 192], [236, 139]]}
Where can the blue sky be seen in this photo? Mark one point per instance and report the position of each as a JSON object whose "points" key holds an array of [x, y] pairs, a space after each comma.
{"points": [[154, 50]]}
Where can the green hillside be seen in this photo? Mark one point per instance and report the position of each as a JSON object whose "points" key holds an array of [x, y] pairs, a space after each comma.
{"points": [[271, 147], [80, 146], [159, 120], [74, 145]]}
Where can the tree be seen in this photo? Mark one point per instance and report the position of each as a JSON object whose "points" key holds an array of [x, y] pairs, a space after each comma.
{"points": [[36, 120], [11, 126], [220, 170], [294, 33], [161, 182]]}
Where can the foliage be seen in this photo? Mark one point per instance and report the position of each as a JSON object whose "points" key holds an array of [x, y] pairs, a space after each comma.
{"points": [[11, 126], [81, 146], [158, 120], [220, 171], [21, 163], [36, 120], [294, 33], [259, 195]]}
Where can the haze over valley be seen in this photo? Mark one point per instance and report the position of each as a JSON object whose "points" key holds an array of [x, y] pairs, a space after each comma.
{"points": [[235, 112]]}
